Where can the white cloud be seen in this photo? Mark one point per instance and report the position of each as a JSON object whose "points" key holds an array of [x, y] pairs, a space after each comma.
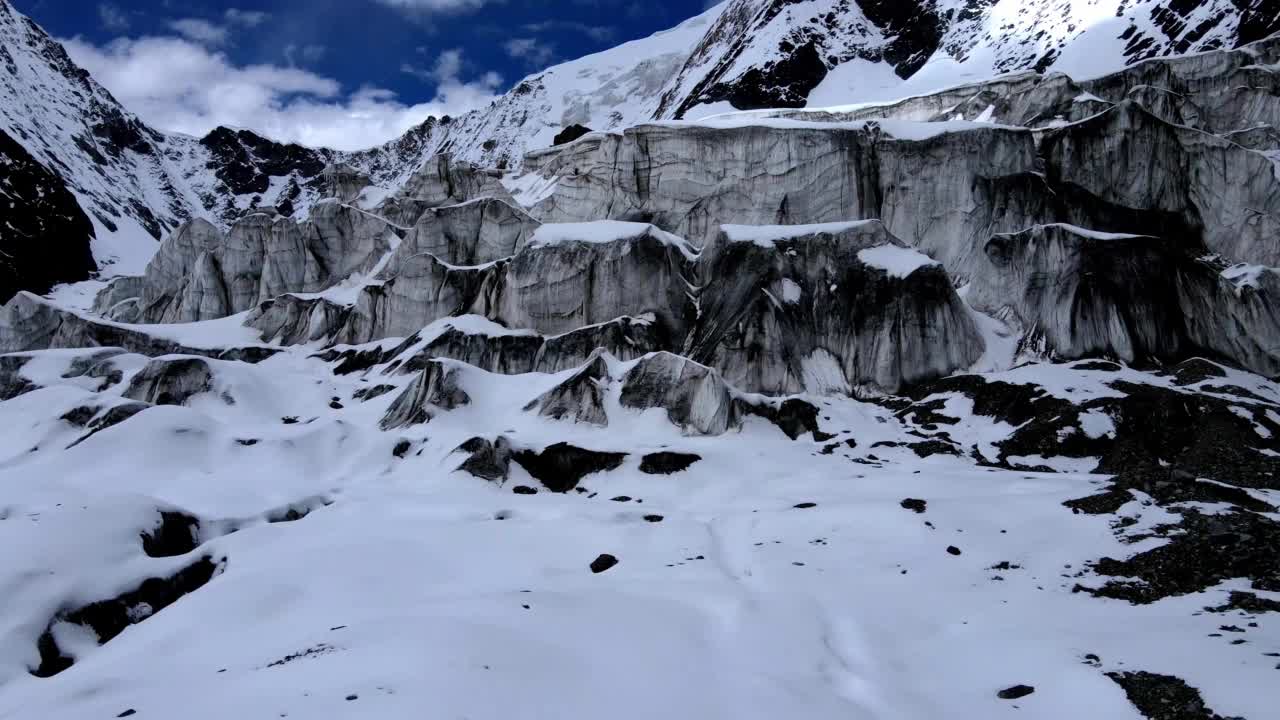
{"points": [[247, 18], [531, 50], [179, 85], [112, 17], [201, 31], [435, 5], [308, 53]]}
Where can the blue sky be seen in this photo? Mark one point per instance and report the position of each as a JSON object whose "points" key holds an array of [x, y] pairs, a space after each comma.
{"points": [[341, 73]]}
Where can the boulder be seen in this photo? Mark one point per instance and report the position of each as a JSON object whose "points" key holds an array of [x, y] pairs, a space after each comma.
{"points": [[489, 460]]}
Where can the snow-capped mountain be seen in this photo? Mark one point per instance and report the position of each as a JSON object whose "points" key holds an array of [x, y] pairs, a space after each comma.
{"points": [[136, 184], [786, 53]]}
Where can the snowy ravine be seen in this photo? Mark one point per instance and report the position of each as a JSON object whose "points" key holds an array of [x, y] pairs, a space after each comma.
{"points": [[962, 405]]}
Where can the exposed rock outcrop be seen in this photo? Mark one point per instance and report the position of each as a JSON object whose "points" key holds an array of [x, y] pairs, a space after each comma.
{"points": [[489, 460], [562, 466], [46, 237]]}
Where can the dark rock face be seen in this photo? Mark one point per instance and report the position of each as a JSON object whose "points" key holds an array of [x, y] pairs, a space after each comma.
{"points": [[793, 416], [176, 534], [110, 418], [784, 83], [46, 236], [489, 460], [1203, 551], [562, 466], [108, 618], [245, 161], [171, 382], [667, 463], [569, 134], [1164, 697]]}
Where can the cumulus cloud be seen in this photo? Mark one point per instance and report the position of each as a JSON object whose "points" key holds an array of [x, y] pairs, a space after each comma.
{"points": [[181, 85]]}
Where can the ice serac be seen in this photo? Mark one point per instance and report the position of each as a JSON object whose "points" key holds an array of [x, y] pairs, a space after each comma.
{"points": [[436, 389], [695, 397], [343, 182], [688, 179], [1183, 184], [293, 320], [171, 381], [499, 350], [472, 233], [1079, 293], [827, 309], [579, 398], [415, 292], [944, 188], [200, 273], [573, 275], [442, 180]]}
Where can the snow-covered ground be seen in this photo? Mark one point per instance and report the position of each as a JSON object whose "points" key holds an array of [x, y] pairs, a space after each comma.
{"points": [[772, 578]]}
